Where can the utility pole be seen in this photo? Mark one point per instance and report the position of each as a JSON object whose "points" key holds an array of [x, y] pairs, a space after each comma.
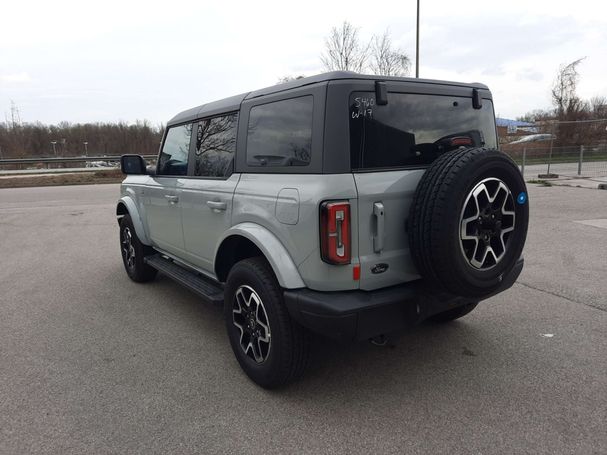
{"points": [[417, 44], [86, 151]]}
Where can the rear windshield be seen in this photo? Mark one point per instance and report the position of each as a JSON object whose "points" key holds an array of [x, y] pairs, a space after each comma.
{"points": [[413, 130]]}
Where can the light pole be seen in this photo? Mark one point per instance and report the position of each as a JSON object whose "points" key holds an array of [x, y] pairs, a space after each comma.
{"points": [[417, 44], [86, 151], [53, 143]]}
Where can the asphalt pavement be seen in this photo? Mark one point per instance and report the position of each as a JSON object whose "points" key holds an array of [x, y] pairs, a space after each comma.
{"points": [[91, 362]]}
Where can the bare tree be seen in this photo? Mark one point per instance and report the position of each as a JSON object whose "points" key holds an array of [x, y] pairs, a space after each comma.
{"points": [[537, 115], [598, 106], [344, 51], [14, 120], [564, 95], [386, 61]]}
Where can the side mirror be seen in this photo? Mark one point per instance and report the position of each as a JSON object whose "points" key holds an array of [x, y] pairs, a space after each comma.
{"points": [[132, 165]]}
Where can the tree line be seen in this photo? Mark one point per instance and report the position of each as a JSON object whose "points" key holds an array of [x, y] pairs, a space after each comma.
{"points": [[20, 140]]}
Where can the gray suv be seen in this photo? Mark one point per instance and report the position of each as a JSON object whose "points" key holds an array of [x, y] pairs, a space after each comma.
{"points": [[349, 205]]}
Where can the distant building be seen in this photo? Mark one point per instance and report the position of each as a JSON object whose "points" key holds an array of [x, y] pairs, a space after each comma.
{"points": [[516, 138], [511, 130]]}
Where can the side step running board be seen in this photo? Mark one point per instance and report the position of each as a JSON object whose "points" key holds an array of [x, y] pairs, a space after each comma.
{"points": [[195, 282]]}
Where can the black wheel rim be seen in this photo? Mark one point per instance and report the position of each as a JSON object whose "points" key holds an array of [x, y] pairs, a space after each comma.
{"points": [[250, 318], [486, 224]]}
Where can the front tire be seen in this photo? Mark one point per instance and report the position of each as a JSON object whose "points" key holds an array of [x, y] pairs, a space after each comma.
{"points": [[133, 253], [270, 347]]}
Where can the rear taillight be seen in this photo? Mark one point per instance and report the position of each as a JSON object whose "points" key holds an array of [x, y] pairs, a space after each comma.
{"points": [[335, 241]]}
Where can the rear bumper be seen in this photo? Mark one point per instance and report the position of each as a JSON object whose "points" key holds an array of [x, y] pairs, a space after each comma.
{"points": [[360, 315]]}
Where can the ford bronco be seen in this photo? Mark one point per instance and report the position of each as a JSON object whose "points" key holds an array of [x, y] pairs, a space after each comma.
{"points": [[349, 205]]}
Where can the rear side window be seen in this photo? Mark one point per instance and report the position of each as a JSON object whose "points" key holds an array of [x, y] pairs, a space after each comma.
{"points": [[173, 158], [280, 133], [215, 146], [413, 129]]}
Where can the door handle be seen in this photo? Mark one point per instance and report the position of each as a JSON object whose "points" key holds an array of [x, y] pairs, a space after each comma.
{"points": [[217, 205], [378, 239], [172, 199]]}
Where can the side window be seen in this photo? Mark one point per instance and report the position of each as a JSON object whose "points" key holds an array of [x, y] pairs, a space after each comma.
{"points": [[280, 133], [215, 146], [173, 159]]}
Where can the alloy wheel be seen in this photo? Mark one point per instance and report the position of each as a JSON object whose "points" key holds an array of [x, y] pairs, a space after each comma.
{"points": [[486, 223], [250, 318]]}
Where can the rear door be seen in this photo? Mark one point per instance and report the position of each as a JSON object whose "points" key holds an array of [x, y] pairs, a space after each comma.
{"points": [[206, 194], [161, 197], [391, 146]]}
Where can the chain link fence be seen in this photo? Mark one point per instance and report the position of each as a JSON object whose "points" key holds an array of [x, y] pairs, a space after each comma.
{"points": [[583, 161], [572, 149]]}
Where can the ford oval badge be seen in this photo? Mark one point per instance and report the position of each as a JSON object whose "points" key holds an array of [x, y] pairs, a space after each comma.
{"points": [[379, 268]]}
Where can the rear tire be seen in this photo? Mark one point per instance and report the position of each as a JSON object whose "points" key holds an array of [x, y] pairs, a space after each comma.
{"points": [[133, 253], [270, 347], [455, 313]]}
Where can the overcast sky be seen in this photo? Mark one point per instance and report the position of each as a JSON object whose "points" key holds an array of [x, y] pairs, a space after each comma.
{"points": [[82, 61]]}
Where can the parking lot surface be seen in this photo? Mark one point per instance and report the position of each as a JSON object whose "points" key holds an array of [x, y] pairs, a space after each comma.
{"points": [[91, 362]]}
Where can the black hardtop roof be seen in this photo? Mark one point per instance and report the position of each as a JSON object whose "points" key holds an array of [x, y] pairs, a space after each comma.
{"points": [[233, 103]]}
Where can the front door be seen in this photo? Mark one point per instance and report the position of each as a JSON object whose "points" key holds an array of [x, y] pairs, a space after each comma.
{"points": [[162, 204], [163, 214]]}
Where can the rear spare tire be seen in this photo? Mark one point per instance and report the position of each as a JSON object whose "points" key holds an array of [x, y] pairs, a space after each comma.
{"points": [[468, 221]]}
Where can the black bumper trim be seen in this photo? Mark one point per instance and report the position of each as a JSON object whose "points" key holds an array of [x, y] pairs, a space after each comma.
{"points": [[360, 315]]}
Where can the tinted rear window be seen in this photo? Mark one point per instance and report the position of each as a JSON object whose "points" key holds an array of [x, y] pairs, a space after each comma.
{"points": [[280, 133], [413, 130]]}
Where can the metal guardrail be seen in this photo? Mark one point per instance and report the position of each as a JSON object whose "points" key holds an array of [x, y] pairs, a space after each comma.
{"points": [[67, 159]]}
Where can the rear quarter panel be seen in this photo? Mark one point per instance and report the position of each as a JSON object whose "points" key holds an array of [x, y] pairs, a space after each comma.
{"points": [[257, 200]]}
